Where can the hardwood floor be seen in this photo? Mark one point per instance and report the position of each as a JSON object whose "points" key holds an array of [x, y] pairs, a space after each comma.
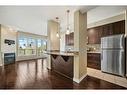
{"points": [[34, 75]]}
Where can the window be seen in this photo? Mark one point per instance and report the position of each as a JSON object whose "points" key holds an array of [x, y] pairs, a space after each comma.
{"points": [[44, 45], [31, 46], [22, 46], [27, 46], [41, 46]]}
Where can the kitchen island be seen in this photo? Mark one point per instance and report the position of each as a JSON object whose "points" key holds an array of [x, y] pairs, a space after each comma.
{"points": [[62, 62]]}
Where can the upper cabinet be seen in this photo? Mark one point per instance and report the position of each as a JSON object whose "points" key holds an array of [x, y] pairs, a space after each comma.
{"points": [[119, 27], [95, 33], [107, 30], [69, 39]]}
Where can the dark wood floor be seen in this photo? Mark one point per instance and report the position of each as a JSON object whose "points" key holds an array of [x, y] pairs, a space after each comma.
{"points": [[34, 75]]}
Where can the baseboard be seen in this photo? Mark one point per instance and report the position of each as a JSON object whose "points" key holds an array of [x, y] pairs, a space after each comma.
{"points": [[79, 80]]}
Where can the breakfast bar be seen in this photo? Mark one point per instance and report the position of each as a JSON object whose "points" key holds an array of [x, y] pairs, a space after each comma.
{"points": [[62, 62]]}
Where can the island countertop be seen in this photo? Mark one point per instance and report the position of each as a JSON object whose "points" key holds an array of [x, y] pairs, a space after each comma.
{"points": [[64, 53]]}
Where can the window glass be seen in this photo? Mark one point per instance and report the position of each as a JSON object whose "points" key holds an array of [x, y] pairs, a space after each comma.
{"points": [[44, 45], [31, 46], [22, 43], [22, 46], [39, 43]]}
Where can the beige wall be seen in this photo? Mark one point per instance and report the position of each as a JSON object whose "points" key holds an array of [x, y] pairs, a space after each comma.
{"points": [[7, 33], [80, 41], [53, 41], [25, 34], [62, 41]]}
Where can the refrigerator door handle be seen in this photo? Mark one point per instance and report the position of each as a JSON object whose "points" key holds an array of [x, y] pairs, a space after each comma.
{"points": [[102, 55]]}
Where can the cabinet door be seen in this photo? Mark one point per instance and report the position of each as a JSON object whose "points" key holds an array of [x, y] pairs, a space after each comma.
{"points": [[122, 27], [116, 28], [66, 39], [93, 36], [93, 60], [96, 35], [69, 39], [99, 34], [119, 27], [72, 38], [107, 30], [110, 29], [104, 31]]}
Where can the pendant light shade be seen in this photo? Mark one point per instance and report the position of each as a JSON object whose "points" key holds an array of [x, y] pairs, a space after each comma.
{"points": [[57, 34], [67, 31]]}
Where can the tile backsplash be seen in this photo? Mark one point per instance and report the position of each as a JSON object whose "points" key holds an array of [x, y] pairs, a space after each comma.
{"points": [[90, 47], [94, 47], [69, 48]]}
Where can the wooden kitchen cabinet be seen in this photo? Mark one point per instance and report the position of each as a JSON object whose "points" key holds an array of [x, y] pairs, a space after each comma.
{"points": [[66, 39], [107, 30], [94, 61], [99, 32], [69, 39], [93, 36], [95, 33], [119, 27]]}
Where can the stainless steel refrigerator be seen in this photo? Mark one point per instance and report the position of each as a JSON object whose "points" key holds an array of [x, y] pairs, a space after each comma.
{"points": [[113, 54]]}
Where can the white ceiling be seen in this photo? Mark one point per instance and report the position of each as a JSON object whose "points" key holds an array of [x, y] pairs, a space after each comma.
{"points": [[33, 19]]}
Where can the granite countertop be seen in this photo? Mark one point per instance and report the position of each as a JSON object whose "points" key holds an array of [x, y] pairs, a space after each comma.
{"points": [[70, 53], [93, 51]]}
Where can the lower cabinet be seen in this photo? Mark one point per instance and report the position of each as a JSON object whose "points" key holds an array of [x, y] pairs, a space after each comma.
{"points": [[94, 61]]}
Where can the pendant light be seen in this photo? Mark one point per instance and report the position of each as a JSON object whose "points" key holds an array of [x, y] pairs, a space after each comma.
{"points": [[68, 30], [59, 30], [57, 34]]}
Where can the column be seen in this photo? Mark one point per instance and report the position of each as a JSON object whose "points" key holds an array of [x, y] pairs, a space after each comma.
{"points": [[53, 41], [126, 36], [80, 45]]}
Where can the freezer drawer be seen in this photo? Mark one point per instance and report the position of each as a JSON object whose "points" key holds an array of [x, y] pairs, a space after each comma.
{"points": [[113, 61]]}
